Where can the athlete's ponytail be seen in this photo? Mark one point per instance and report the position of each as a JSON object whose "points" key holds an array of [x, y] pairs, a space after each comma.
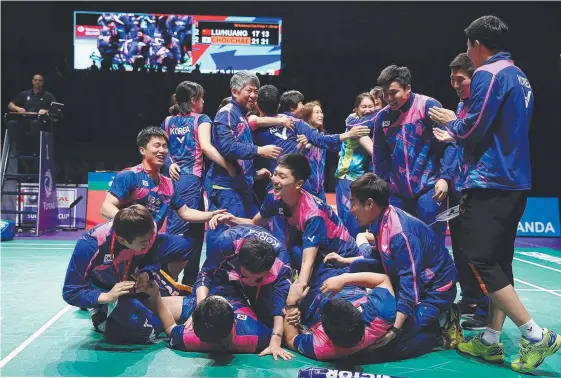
{"points": [[184, 94]]}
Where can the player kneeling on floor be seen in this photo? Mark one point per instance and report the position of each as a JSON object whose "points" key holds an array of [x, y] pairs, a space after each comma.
{"points": [[420, 268], [109, 267]]}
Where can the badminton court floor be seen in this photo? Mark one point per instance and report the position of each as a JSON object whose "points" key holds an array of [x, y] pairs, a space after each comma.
{"points": [[42, 336]]}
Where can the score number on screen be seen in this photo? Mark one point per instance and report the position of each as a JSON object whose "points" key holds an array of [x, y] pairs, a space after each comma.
{"points": [[235, 33]]}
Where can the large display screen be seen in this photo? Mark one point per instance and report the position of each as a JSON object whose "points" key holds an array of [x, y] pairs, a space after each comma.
{"points": [[177, 42]]}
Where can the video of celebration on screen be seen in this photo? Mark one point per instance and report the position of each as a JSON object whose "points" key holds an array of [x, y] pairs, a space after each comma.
{"points": [[176, 42]]}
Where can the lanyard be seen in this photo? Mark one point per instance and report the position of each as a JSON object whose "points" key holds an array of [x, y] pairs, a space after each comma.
{"points": [[115, 265]]}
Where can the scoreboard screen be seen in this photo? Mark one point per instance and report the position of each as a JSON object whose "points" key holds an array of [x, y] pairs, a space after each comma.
{"points": [[179, 42]]}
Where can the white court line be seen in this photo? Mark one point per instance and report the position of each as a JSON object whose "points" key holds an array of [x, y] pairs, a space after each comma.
{"points": [[32, 244], [32, 248], [535, 290], [538, 287], [536, 264], [31, 338]]}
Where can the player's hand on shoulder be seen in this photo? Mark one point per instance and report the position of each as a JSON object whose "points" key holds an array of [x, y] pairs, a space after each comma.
{"points": [[286, 122]]}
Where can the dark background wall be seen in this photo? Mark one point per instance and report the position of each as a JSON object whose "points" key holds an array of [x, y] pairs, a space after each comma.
{"points": [[331, 52]]}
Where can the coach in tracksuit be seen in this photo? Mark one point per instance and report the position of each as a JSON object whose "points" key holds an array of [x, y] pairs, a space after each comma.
{"points": [[498, 179]]}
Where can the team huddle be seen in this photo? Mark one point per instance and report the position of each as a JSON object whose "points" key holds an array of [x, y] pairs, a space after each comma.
{"points": [[283, 271]]}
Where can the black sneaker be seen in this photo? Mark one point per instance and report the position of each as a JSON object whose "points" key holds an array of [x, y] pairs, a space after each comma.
{"points": [[468, 311], [476, 323], [98, 319]]}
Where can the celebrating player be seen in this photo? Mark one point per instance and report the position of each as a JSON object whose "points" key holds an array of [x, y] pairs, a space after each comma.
{"points": [[252, 261], [345, 318], [419, 267], [474, 302], [221, 322], [494, 134], [186, 129], [406, 154], [108, 267], [354, 160], [143, 184], [314, 229]]}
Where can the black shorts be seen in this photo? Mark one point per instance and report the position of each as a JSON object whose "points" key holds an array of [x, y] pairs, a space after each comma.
{"points": [[486, 230]]}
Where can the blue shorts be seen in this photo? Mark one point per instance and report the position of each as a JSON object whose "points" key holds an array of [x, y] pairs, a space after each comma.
{"points": [[173, 248], [190, 190]]}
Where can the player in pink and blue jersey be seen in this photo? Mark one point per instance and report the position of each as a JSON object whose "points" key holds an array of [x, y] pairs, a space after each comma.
{"points": [[108, 267], [315, 185], [251, 261], [346, 319], [420, 268], [248, 248], [221, 322], [407, 155], [183, 128], [145, 185], [313, 228]]}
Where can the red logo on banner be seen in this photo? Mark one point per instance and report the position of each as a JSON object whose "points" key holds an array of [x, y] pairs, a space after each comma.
{"points": [[89, 31]]}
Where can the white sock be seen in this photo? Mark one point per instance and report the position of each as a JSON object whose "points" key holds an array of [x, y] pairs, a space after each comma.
{"points": [[531, 331], [490, 336]]}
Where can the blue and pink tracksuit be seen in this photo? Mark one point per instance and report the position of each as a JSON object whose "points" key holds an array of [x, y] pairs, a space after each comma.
{"points": [[249, 335], [99, 262], [231, 135], [408, 156], [185, 151], [493, 159], [423, 276], [222, 269], [354, 161]]}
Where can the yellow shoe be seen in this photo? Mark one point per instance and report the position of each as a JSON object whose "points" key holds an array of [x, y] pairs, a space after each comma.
{"points": [[494, 353], [532, 355], [452, 333]]}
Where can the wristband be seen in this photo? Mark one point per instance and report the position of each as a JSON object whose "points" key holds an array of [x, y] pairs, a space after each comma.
{"points": [[291, 306], [276, 334], [398, 331]]}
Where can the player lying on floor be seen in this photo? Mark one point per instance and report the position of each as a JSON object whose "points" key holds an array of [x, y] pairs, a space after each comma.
{"points": [[223, 321], [145, 185], [344, 318], [253, 261], [317, 228], [419, 266], [108, 267]]}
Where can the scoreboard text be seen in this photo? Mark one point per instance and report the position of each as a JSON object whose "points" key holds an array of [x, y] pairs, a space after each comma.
{"points": [[235, 33]]}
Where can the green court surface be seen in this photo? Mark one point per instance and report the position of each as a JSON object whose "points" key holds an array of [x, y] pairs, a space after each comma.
{"points": [[42, 336]]}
